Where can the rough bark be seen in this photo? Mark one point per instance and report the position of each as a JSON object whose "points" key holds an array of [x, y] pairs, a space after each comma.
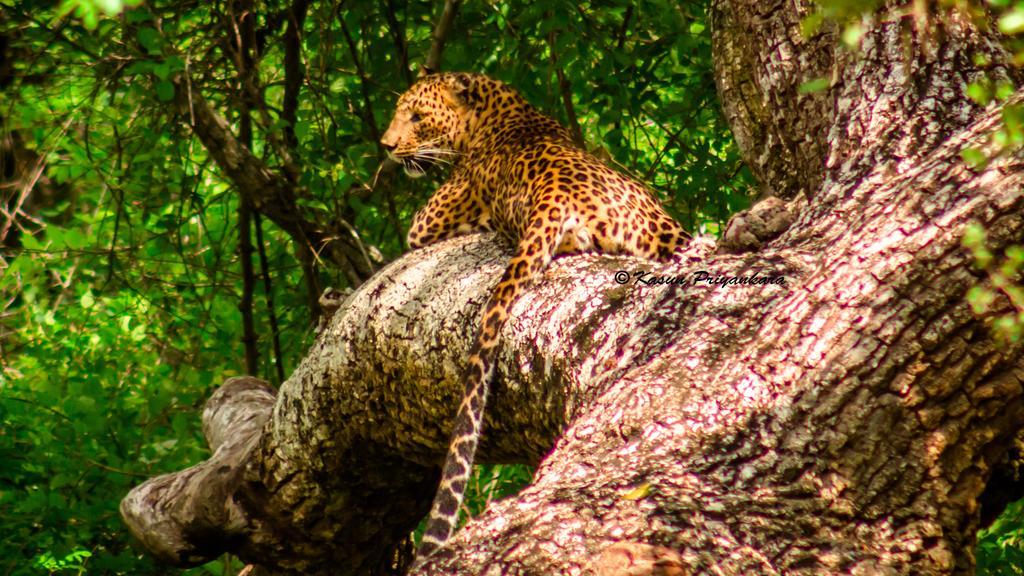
{"points": [[888, 103], [844, 422]]}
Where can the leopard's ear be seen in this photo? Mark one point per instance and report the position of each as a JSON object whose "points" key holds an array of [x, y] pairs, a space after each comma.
{"points": [[425, 71], [459, 86]]}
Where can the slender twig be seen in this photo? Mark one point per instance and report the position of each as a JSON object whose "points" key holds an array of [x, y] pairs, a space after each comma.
{"points": [[40, 405], [673, 137], [11, 214], [566, 91], [382, 185], [625, 27], [401, 46], [364, 87], [115, 470], [311, 280]]}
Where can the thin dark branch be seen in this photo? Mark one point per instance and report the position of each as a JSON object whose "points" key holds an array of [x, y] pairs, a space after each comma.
{"points": [[241, 48], [294, 72], [268, 294], [401, 46], [39, 405], [364, 87], [440, 35], [311, 279], [383, 180], [673, 138], [566, 91], [249, 339], [244, 46], [294, 78], [625, 27], [267, 191]]}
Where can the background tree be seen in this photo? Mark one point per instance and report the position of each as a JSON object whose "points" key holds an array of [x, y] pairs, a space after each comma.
{"points": [[124, 277]]}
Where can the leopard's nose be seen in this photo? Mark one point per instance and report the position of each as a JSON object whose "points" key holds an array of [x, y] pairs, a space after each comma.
{"points": [[389, 139]]}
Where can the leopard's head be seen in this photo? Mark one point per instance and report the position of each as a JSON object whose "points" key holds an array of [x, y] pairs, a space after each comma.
{"points": [[430, 123]]}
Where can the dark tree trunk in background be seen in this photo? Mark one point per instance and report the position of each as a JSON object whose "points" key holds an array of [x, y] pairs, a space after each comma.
{"points": [[845, 422]]}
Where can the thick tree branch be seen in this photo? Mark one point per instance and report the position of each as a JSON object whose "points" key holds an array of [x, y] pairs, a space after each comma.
{"points": [[903, 91], [232, 421], [378, 475], [863, 407], [844, 421], [806, 413], [754, 45]]}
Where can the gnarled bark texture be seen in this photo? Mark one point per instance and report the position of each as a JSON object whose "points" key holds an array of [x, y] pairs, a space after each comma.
{"points": [[843, 422]]}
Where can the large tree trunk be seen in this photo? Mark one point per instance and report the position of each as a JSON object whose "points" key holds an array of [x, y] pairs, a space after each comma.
{"points": [[845, 421]]}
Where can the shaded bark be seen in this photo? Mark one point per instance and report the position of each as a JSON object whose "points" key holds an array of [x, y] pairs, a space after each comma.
{"points": [[294, 71], [844, 421]]}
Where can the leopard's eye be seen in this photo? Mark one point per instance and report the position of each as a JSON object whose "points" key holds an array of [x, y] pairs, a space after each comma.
{"points": [[415, 117]]}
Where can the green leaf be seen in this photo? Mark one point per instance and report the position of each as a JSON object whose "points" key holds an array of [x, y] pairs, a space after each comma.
{"points": [[30, 242], [110, 7], [301, 129], [980, 93], [150, 40], [162, 70], [140, 67], [1004, 90], [852, 35], [974, 158], [810, 25], [165, 91], [1012, 22], [74, 239], [816, 85]]}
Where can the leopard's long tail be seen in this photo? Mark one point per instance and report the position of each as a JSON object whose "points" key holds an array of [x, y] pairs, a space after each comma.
{"points": [[532, 257], [458, 463]]}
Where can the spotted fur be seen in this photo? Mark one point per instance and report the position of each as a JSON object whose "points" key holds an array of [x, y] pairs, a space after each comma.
{"points": [[517, 172]]}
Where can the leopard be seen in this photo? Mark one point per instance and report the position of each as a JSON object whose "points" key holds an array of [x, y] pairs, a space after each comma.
{"points": [[515, 171]]}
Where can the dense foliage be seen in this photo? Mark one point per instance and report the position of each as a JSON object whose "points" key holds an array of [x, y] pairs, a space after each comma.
{"points": [[135, 279]]}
